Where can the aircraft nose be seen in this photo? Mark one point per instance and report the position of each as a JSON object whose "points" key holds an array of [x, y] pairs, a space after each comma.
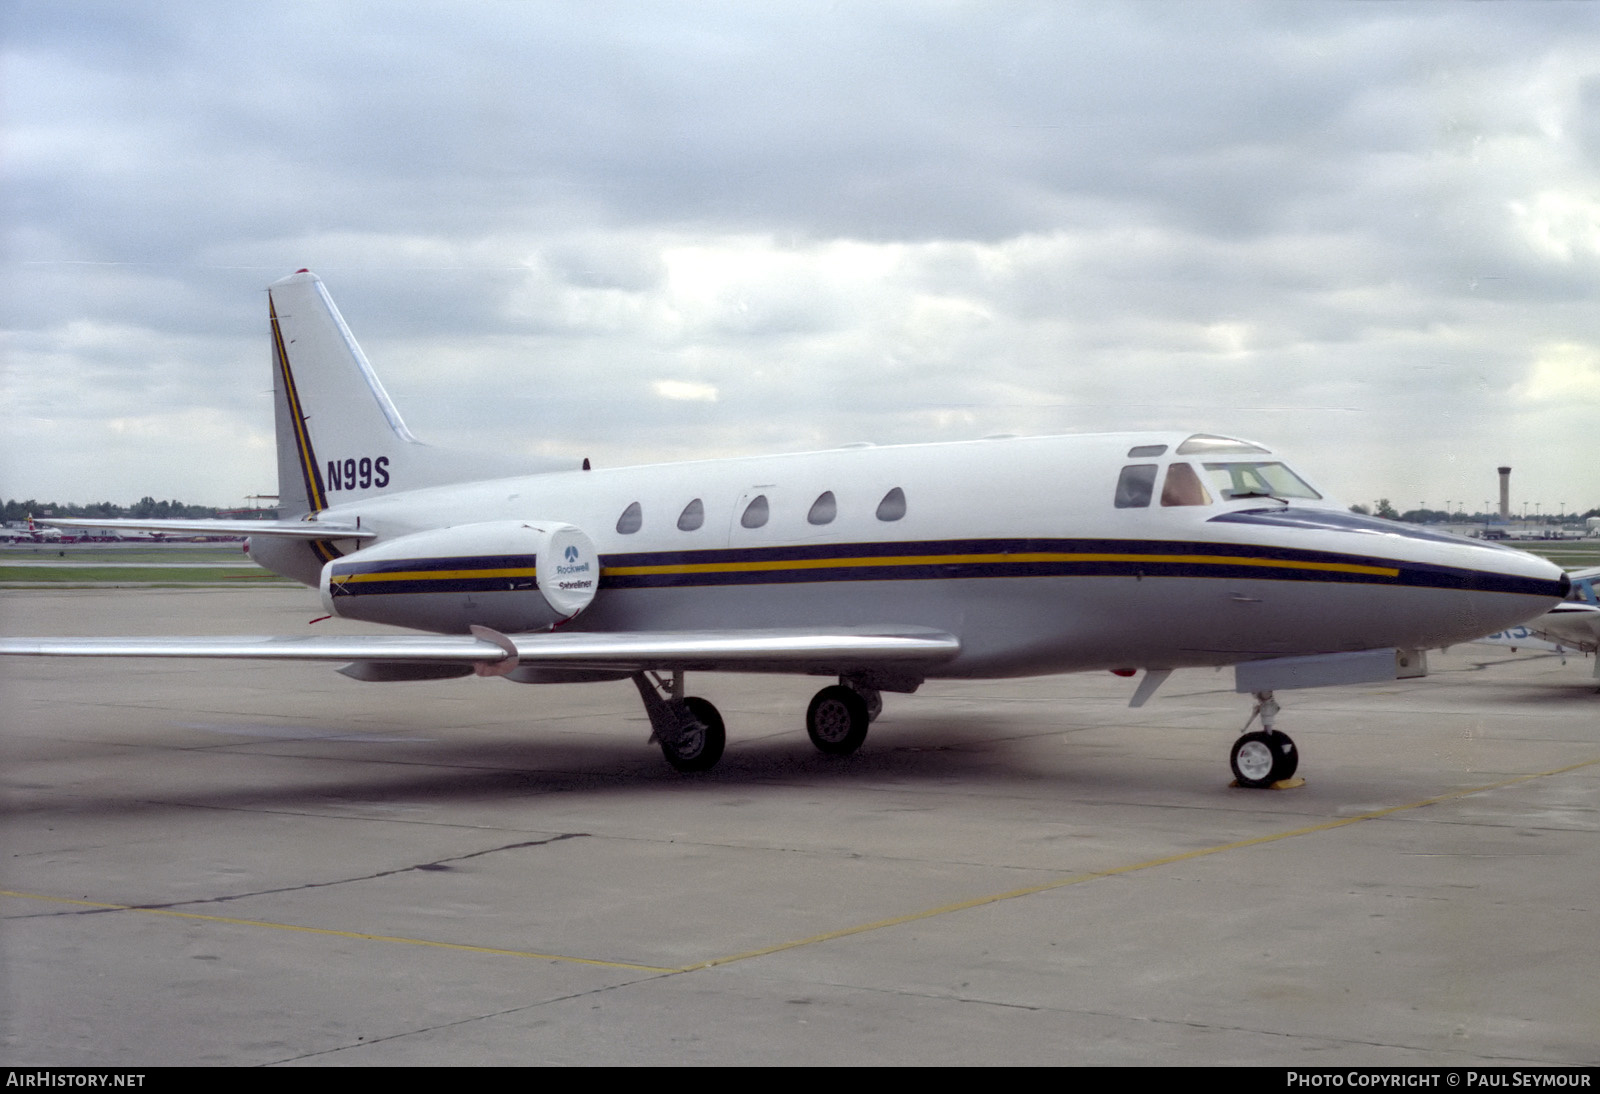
{"points": [[1438, 589]]}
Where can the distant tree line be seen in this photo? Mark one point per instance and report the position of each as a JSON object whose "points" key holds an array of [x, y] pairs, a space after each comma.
{"points": [[146, 508], [1383, 508]]}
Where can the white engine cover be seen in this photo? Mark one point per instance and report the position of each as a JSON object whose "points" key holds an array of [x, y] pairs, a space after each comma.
{"points": [[511, 576]]}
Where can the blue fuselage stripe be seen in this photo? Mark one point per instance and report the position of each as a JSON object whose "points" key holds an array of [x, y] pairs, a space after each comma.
{"points": [[921, 561], [931, 560], [460, 574]]}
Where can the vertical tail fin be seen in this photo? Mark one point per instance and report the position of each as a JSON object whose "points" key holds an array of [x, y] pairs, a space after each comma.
{"points": [[340, 439], [339, 436]]}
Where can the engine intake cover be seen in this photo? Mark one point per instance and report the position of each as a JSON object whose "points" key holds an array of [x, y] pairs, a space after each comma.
{"points": [[512, 576]]}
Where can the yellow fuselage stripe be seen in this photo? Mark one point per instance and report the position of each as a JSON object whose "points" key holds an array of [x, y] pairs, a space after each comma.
{"points": [[936, 560]]}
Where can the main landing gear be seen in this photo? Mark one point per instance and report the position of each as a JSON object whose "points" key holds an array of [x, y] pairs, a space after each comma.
{"points": [[691, 735], [689, 730], [1267, 756], [837, 719]]}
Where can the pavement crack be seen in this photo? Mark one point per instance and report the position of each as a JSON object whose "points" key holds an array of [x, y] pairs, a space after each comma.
{"points": [[470, 1019], [436, 864], [422, 867]]}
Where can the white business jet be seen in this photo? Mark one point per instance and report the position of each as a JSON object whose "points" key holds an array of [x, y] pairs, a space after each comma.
{"points": [[881, 567]]}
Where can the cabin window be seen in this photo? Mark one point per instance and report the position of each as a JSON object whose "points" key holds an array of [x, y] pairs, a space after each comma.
{"points": [[755, 514], [1183, 487], [893, 505], [823, 510], [630, 520], [1257, 480], [1145, 451], [1135, 485], [692, 517]]}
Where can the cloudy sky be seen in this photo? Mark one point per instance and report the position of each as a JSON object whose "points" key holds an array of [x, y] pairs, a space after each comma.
{"points": [[1366, 233]]}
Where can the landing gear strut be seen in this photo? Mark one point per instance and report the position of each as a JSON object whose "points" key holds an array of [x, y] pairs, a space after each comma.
{"points": [[689, 730], [1267, 756], [871, 696]]}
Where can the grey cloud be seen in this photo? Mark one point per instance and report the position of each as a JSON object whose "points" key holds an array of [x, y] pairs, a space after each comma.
{"points": [[1108, 215]]}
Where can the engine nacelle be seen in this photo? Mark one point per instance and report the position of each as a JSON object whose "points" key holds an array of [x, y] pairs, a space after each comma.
{"points": [[512, 576]]}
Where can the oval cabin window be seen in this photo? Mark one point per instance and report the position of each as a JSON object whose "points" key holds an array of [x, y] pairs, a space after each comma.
{"points": [[692, 517], [630, 520], [893, 505], [755, 514], [823, 510]]}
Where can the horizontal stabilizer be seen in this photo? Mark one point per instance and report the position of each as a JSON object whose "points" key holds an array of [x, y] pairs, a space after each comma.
{"points": [[296, 529], [1574, 625], [755, 650]]}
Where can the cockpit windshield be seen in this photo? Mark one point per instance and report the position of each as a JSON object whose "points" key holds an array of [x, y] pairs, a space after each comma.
{"points": [[1256, 479]]}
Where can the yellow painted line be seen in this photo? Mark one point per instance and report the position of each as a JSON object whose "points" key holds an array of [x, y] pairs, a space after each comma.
{"points": [[946, 560], [362, 936], [842, 932], [431, 575], [1115, 871]]}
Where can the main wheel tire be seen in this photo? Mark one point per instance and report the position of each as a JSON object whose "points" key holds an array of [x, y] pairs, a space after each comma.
{"points": [[1287, 760], [1254, 760], [699, 749], [836, 720]]}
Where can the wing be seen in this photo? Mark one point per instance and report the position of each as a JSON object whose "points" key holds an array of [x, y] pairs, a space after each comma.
{"points": [[1572, 624], [296, 529], [1519, 638], [746, 651]]}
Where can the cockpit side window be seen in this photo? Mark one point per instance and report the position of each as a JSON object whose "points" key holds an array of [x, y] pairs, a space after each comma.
{"points": [[1135, 485], [1183, 487]]}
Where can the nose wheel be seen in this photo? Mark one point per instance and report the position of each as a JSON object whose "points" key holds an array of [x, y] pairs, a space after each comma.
{"points": [[1266, 756], [1261, 759]]}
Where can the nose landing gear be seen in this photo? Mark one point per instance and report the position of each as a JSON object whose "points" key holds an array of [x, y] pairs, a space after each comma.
{"points": [[1266, 756]]}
